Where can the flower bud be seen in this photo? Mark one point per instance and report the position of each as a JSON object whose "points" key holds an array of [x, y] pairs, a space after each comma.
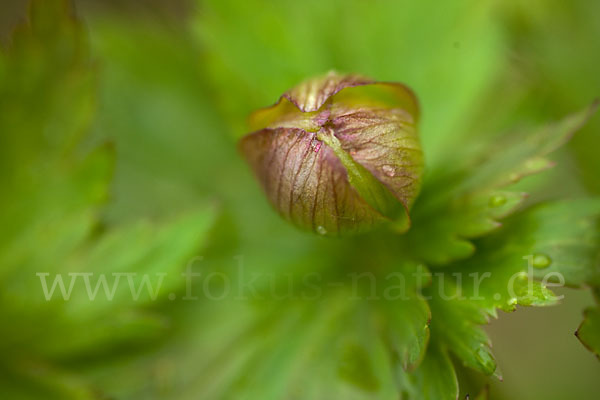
{"points": [[338, 153]]}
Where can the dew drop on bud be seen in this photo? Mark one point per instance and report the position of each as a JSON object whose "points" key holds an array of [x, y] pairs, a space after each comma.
{"points": [[541, 261], [316, 145], [389, 170], [321, 230]]}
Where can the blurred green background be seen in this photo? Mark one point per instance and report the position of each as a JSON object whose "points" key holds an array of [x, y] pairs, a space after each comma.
{"points": [[173, 81]]}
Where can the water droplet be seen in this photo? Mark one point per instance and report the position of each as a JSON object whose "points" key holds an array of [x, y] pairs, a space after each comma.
{"points": [[512, 301], [321, 230], [497, 200], [541, 261], [316, 145], [389, 170]]}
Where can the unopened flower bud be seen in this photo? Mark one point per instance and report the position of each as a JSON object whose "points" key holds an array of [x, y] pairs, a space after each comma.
{"points": [[338, 153]]}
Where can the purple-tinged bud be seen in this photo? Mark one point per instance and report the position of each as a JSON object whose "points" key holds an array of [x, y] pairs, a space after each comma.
{"points": [[339, 153]]}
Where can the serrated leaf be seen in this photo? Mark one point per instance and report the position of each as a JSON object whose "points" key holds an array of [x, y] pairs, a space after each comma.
{"points": [[552, 240], [466, 199], [455, 324], [560, 234]]}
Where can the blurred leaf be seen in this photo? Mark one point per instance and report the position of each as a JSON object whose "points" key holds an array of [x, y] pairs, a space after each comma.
{"points": [[126, 269], [554, 68], [483, 395], [51, 187], [54, 187], [155, 105], [442, 51], [46, 102], [26, 380], [323, 341]]}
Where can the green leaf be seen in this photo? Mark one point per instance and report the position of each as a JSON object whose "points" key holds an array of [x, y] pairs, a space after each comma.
{"points": [[466, 197], [49, 214], [157, 105], [47, 88], [34, 380], [341, 342], [560, 237], [455, 323], [154, 103], [50, 185], [435, 378], [260, 55], [589, 330], [155, 252], [483, 395], [551, 241], [559, 240]]}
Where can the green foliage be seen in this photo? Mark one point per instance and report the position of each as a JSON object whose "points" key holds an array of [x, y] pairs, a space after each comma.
{"points": [[472, 194], [118, 155], [589, 330], [436, 379], [50, 214]]}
